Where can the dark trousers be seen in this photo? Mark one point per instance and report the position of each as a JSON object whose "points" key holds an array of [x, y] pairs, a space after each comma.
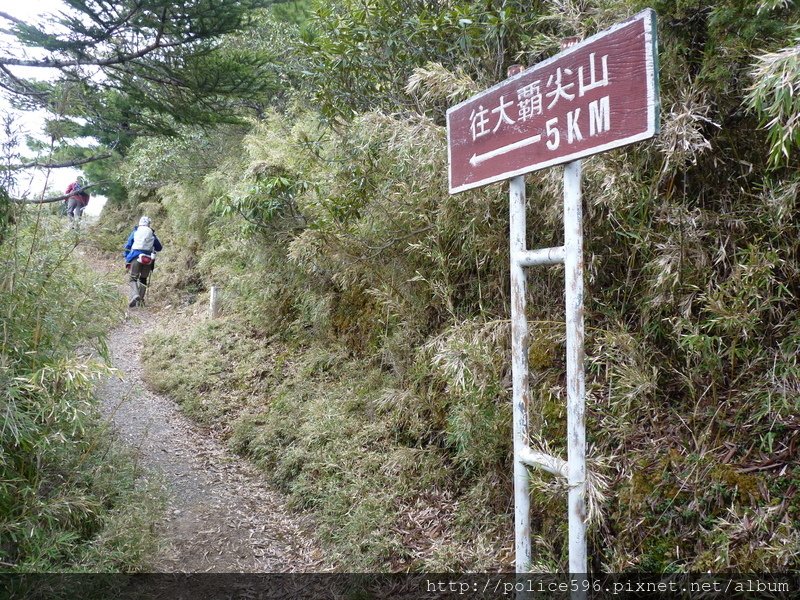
{"points": [[74, 208], [140, 272]]}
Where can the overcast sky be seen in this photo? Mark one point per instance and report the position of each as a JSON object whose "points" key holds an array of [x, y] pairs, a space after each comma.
{"points": [[32, 183]]}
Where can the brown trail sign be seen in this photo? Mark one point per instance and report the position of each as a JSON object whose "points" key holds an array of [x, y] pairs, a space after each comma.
{"points": [[596, 95]]}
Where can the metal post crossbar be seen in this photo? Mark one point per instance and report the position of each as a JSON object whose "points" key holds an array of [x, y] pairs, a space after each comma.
{"points": [[574, 468]]}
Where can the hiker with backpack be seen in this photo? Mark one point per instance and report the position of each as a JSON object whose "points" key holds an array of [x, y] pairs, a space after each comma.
{"points": [[77, 201], [140, 257]]}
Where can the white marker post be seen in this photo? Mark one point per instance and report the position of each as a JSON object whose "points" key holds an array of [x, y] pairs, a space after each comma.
{"points": [[213, 302]]}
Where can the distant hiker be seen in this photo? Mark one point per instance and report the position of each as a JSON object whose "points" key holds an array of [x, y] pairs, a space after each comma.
{"points": [[140, 258], [77, 201]]}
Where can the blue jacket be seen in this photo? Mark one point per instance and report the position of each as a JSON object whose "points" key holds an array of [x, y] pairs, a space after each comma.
{"points": [[132, 254]]}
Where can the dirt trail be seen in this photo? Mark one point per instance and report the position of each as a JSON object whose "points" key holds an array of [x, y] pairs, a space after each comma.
{"points": [[222, 515]]}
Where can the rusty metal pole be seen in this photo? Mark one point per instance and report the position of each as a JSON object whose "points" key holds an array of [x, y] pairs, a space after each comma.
{"points": [[576, 423], [519, 373]]}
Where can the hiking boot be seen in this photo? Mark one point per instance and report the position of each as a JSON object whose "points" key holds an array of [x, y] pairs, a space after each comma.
{"points": [[134, 294]]}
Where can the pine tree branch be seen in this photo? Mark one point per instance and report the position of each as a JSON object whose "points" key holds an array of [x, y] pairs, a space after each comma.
{"points": [[141, 72], [11, 18], [158, 56], [24, 87], [63, 165], [53, 199], [89, 61], [157, 44]]}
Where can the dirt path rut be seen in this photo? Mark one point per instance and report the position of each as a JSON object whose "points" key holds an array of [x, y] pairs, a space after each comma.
{"points": [[222, 515]]}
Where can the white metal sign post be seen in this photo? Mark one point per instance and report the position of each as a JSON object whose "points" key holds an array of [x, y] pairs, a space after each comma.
{"points": [[574, 470], [595, 95], [576, 422]]}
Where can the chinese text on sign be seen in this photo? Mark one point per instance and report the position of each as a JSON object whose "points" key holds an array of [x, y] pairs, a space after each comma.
{"points": [[596, 95]]}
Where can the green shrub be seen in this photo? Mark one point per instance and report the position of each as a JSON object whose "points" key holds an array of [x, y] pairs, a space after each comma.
{"points": [[69, 499]]}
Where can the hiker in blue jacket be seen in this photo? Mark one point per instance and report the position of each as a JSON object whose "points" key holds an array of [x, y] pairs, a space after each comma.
{"points": [[140, 257]]}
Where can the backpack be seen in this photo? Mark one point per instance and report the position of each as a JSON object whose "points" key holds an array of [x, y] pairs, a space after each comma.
{"points": [[78, 191], [84, 196], [143, 239]]}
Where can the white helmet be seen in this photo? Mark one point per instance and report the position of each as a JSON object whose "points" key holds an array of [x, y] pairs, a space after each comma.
{"points": [[144, 222]]}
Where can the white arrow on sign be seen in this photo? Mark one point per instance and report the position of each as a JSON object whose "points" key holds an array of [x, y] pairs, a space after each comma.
{"points": [[479, 158]]}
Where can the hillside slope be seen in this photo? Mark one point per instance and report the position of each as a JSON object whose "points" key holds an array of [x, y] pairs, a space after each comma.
{"points": [[363, 356]]}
